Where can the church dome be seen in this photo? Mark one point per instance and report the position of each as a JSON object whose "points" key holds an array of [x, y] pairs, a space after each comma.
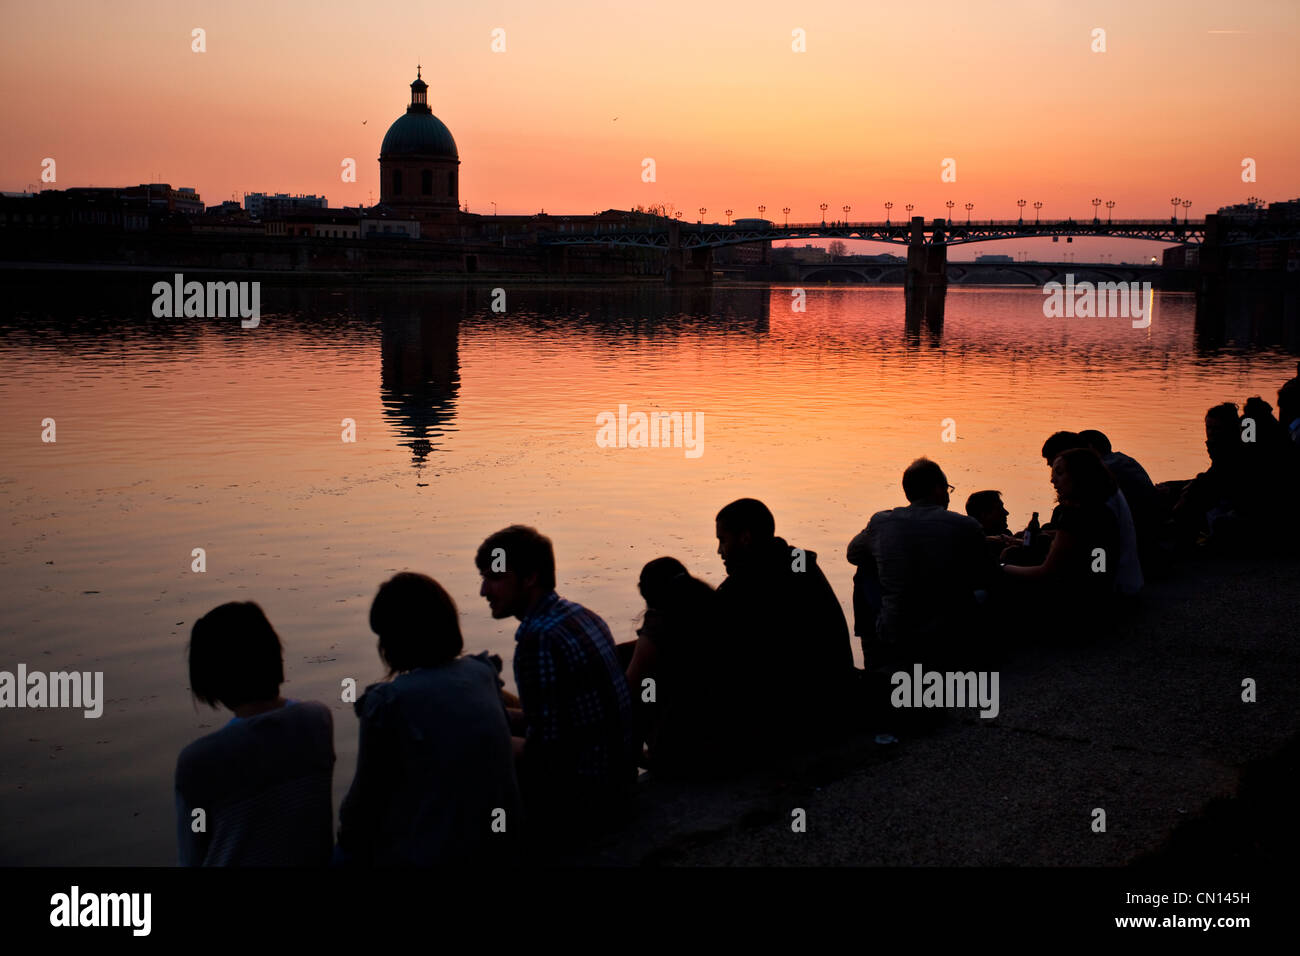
{"points": [[419, 132]]}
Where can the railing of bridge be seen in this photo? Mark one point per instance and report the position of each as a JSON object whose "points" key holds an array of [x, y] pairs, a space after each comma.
{"points": [[657, 233], [879, 225], [951, 223]]}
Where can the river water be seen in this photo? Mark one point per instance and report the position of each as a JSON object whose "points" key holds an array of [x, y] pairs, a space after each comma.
{"points": [[177, 434]]}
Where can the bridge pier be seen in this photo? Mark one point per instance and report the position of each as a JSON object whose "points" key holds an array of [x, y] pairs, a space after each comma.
{"points": [[686, 267], [1211, 274], [925, 282]]}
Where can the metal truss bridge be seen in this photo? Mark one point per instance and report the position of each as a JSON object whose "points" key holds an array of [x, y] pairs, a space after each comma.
{"points": [[936, 232]]}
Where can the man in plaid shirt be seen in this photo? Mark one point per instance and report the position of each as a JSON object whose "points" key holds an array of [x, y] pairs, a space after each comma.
{"points": [[577, 755]]}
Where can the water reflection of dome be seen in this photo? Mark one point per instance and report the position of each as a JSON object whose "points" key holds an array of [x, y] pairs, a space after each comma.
{"points": [[420, 377]]}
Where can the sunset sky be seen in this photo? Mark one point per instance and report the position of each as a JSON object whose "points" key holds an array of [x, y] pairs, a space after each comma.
{"points": [[713, 92]]}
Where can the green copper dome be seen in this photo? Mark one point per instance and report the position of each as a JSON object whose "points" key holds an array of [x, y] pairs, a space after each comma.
{"points": [[418, 134]]}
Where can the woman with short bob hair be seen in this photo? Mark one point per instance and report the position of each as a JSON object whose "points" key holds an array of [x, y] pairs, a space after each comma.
{"points": [[261, 785], [435, 781]]}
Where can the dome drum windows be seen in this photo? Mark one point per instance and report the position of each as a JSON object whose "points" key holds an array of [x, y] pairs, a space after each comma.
{"points": [[418, 158]]}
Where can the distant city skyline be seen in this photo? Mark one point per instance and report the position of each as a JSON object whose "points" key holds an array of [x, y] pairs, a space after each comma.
{"points": [[717, 96]]}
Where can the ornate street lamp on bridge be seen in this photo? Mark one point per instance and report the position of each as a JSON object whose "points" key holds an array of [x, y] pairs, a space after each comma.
{"points": [[761, 210], [824, 208], [702, 212], [1110, 204], [728, 212], [1037, 206], [1021, 204], [950, 204], [1186, 205], [1174, 202], [785, 210], [1096, 214], [969, 207], [846, 207], [888, 206], [909, 207], [678, 214]]}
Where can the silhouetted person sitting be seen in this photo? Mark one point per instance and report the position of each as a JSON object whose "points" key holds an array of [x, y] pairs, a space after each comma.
{"points": [[785, 628], [1209, 505], [1128, 565], [257, 791], [1058, 442], [1269, 432], [680, 663], [1076, 581], [927, 563], [435, 779], [986, 507], [1134, 483], [1129, 475], [575, 734], [1272, 465], [1288, 413], [1288, 406]]}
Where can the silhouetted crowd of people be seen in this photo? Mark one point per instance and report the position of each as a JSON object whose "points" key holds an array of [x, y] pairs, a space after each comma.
{"points": [[453, 770]]}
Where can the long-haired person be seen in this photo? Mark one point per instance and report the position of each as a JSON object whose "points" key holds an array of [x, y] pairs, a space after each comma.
{"points": [[1076, 579], [687, 722]]}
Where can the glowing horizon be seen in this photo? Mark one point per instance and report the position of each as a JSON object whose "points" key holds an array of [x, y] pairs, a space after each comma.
{"points": [[732, 116]]}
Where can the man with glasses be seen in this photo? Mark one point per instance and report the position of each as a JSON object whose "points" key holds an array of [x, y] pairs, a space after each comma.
{"points": [[919, 567]]}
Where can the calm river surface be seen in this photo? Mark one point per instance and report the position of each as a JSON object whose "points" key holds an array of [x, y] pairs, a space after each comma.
{"points": [[181, 434]]}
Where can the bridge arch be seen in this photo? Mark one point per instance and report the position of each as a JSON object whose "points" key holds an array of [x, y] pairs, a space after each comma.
{"points": [[963, 272], [832, 274]]}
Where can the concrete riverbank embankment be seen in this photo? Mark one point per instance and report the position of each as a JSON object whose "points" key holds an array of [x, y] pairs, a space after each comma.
{"points": [[1147, 724]]}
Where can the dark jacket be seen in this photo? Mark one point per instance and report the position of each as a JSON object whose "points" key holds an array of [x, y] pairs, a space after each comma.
{"points": [[790, 640]]}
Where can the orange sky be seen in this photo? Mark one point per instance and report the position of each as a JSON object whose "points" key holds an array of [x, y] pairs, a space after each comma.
{"points": [[713, 92]]}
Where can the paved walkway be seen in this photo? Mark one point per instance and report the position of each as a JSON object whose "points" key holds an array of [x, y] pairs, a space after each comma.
{"points": [[1147, 724]]}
